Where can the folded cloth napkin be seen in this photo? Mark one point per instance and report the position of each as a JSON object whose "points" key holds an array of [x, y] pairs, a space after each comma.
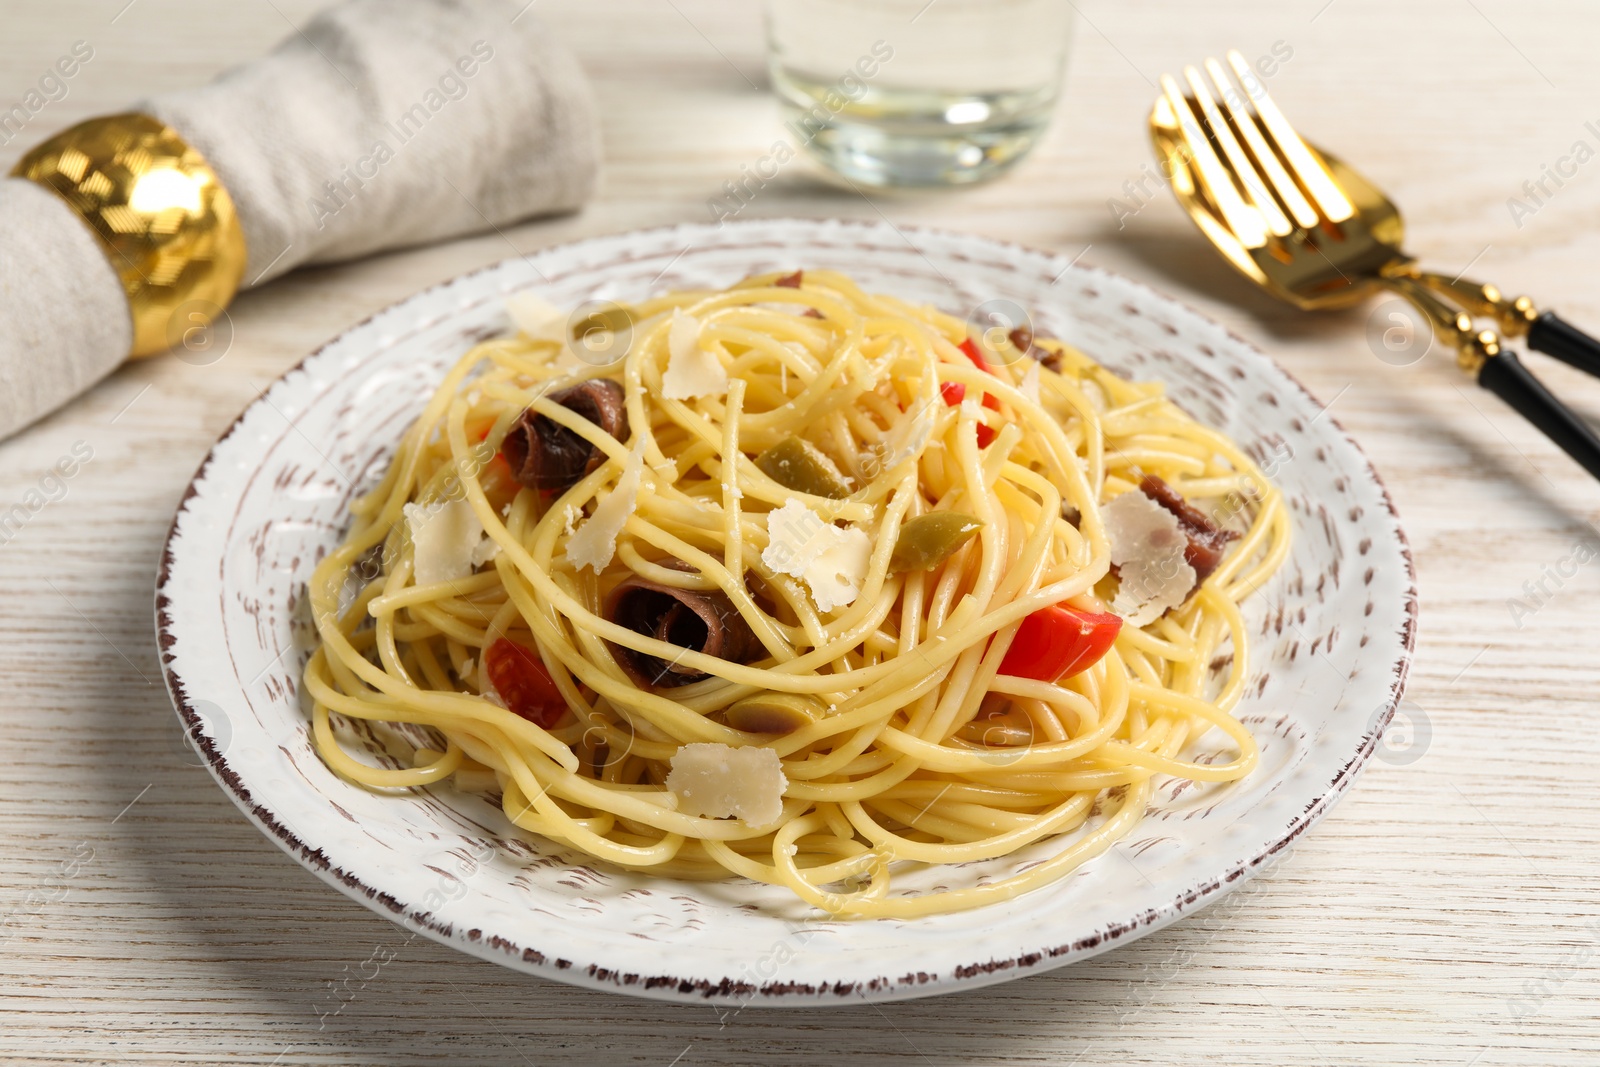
{"points": [[384, 123]]}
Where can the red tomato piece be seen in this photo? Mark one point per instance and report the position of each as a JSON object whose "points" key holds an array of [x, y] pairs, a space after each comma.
{"points": [[523, 682], [1058, 642], [954, 393], [497, 482], [973, 354], [989, 399]]}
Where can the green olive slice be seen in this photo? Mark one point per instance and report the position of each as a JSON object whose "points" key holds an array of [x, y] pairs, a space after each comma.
{"points": [[928, 540], [774, 713], [800, 465]]}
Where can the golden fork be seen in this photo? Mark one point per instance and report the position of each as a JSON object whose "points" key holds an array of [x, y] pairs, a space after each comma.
{"points": [[1310, 230]]}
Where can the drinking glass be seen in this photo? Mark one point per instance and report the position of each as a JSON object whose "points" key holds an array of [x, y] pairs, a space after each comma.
{"points": [[918, 92]]}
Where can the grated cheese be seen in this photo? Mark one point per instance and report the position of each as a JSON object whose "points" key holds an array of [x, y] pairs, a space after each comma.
{"points": [[719, 781], [691, 370], [446, 536], [595, 542], [1147, 545]]}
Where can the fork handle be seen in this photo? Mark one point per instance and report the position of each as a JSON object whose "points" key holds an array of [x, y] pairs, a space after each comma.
{"points": [[1506, 377], [1547, 332], [1555, 336]]}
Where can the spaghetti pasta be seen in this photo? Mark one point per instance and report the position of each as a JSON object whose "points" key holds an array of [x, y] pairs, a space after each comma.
{"points": [[598, 588]]}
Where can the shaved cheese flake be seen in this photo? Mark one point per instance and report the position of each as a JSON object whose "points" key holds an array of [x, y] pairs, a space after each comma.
{"points": [[445, 536], [691, 370], [1147, 545], [1096, 394], [835, 576], [537, 317], [595, 542], [795, 537], [831, 561], [720, 781], [484, 551], [906, 439], [1029, 386]]}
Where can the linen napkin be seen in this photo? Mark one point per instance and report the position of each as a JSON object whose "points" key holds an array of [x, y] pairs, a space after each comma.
{"points": [[382, 124]]}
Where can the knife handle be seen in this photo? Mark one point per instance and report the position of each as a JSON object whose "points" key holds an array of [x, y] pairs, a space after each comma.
{"points": [[1555, 336], [1506, 377]]}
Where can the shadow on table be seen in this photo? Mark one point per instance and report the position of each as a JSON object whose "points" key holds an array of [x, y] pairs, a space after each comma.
{"points": [[1177, 256]]}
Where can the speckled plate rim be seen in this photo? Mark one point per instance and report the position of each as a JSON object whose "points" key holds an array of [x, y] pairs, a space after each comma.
{"points": [[676, 988]]}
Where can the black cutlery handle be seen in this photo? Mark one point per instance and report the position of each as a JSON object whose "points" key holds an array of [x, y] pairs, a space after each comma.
{"points": [[1555, 336], [1506, 377]]}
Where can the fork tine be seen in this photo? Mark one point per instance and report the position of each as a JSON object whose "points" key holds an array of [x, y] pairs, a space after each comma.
{"points": [[1242, 218], [1293, 199], [1244, 171], [1312, 174]]}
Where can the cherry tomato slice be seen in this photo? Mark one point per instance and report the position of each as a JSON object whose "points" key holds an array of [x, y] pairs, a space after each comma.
{"points": [[973, 354], [520, 677], [990, 401], [1058, 642]]}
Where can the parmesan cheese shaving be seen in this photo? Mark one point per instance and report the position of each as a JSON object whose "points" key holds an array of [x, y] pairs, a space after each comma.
{"points": [[719, 781], [793, 533], [836, 574], [831, 561], [537, 317], [1096, 394], [446, 537], [691, 370], [1147, 545], [908, 438], [1029, 386], [484, 551], [595, 542]]}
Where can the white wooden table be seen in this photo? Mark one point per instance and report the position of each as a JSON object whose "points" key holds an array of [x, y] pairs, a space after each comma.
{"points": [[1446, 913]]}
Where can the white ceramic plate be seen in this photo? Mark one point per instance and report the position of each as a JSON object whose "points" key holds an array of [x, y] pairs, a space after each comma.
{"points": [[1333, 642]]}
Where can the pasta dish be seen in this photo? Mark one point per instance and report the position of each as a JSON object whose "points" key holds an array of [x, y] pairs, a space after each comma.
{"points": [[807, 585]]}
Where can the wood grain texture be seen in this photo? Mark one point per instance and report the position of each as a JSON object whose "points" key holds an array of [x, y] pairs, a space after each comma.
{"points": [[1445, 913]]}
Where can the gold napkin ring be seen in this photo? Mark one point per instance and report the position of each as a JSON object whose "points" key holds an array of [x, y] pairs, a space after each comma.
{"points": [[167, 224]]}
